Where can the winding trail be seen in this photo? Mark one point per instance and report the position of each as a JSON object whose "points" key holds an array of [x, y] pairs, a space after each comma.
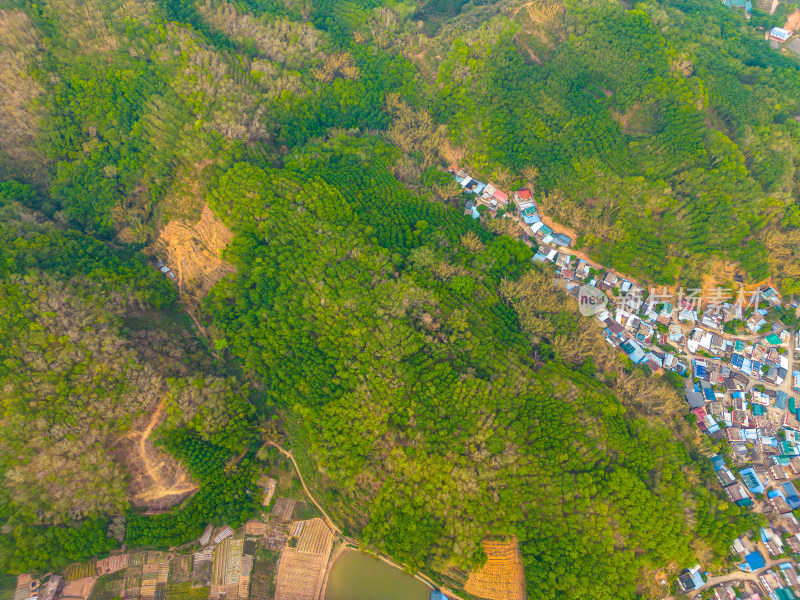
{"points": [[352, 541], [328, 521]]}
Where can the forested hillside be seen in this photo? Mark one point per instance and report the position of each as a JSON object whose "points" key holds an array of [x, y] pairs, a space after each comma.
{"points": [[434, 386]]}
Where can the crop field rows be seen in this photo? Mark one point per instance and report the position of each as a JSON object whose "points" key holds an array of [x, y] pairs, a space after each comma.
{"points": [[283, 508], [233, 565], [76, 572], [220, 564], [185, 591], [263, 575], [112, 564], [300, 575], [180, 570], [132, 582], [108, 586], [201, 568], [502, 576], [314, 537]]}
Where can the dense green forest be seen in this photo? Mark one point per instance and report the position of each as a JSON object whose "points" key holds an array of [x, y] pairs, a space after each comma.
{"points": [[434, 386]]}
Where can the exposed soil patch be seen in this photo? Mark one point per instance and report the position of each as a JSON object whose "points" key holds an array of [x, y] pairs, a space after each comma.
{"points": [[192, 251], [158, 481], [793, 21]]}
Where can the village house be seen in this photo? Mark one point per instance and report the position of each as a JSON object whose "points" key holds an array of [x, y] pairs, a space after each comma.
{"points": [[778, 502], [756, 320], [609, 281], [690, 579]]}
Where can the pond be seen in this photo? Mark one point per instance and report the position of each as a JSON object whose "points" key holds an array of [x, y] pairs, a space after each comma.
{"points": [[360, 576]]}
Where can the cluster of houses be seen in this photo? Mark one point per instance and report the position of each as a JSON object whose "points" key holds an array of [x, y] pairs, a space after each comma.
{"points": [[726, 382], [487, 194], [778, 582], [631, 326], [752, 483], [734, 364]]}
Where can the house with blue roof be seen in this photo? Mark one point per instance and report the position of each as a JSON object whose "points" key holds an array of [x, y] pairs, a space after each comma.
{"points": [[531, 220], [773, 340], [633, 350], [753, 562], [789, 448], [790, 492], [751, 480], [699, 368], [475, 186], [690, 579]]}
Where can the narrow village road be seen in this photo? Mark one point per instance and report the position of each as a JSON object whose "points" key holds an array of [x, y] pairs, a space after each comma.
{"points": [[737, 576]]}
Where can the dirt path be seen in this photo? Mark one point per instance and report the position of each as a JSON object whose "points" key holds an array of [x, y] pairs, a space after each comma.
{"points": [[154, 469], [329, 522], [559, 228], [158, 480], [737, 576]]}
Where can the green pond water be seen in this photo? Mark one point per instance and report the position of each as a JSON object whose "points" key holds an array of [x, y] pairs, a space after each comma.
{"points": [[359, 576]]}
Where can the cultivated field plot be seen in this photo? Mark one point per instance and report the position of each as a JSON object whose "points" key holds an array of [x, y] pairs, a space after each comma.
{"points": [[314, 537], [108, 587], [81, 571], [180, 569], [201, 567], [112, 564], [501, 577], [23, 587], [185, 591], [149, 580], [256, 528], [283, 508], [82, 588], [132, 582], [301, 570], [233, 568], [300, 575], [220, 563], [262, 578], [275, 537], [156, 556]]}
